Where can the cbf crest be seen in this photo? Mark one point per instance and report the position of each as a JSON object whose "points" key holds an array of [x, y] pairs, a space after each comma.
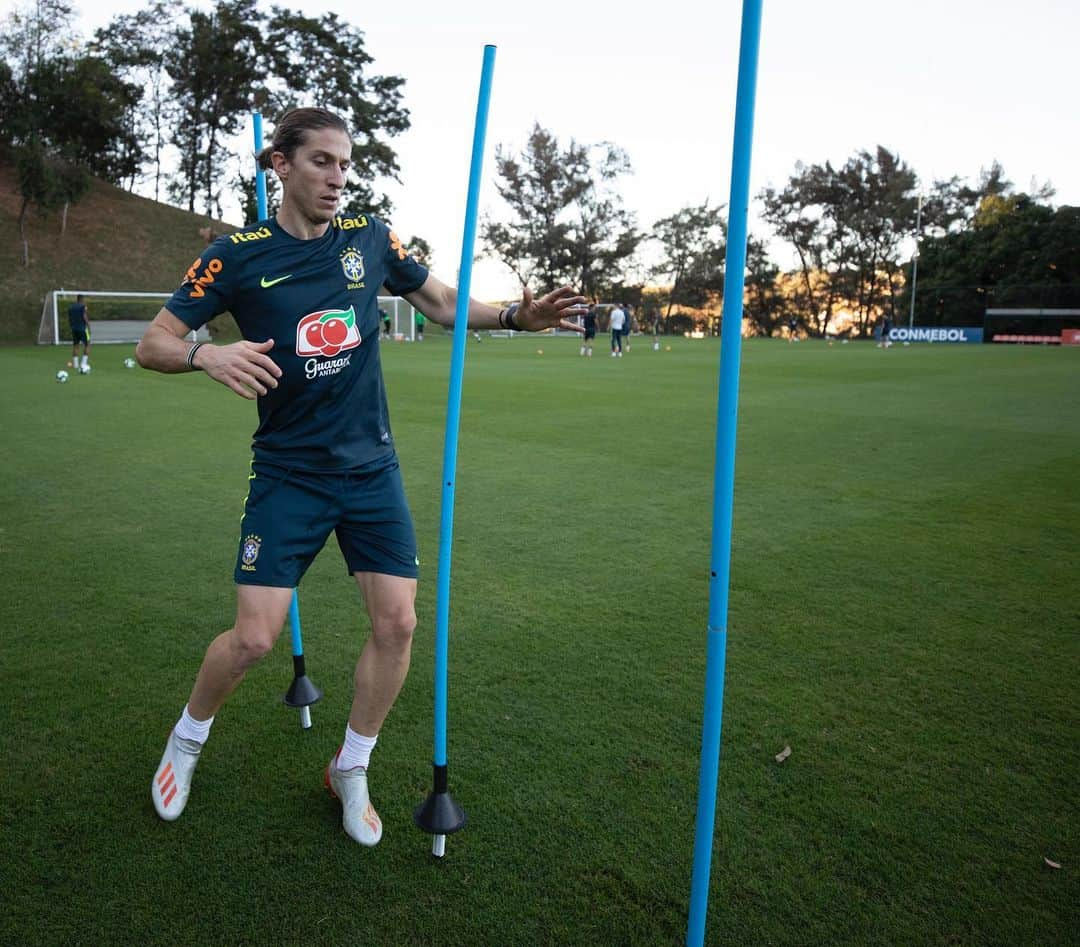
{"points": [[249, 552], [352, 265]]}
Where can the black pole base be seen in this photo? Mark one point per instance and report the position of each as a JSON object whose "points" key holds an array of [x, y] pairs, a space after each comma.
{"points": [[302, 693], [439, 814]]}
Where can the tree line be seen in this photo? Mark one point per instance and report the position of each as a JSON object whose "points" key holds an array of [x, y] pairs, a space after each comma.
{"points": [[156, 98]]}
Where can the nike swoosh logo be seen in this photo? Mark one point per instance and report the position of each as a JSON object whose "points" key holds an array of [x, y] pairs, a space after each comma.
{"points": [[267, 283]]}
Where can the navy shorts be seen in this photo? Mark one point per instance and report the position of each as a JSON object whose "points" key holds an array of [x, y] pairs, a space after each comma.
{"points": [[80, 335], [289, 514]]}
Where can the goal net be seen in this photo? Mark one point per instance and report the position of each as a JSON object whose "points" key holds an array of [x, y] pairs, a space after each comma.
{"points": [[114, 317]]}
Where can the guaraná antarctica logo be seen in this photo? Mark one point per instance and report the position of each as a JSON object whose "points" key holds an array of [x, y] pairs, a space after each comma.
{"points": [[327, 333]]}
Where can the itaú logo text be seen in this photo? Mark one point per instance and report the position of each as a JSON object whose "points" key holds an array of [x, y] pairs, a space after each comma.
{"points": [[327, 332]]}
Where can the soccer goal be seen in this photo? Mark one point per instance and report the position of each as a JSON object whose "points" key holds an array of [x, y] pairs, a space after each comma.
{"points": [[402, 318], [114, 317]]}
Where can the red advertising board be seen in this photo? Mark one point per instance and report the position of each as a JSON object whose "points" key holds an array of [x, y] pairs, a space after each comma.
{"points": [[1070, 336]]}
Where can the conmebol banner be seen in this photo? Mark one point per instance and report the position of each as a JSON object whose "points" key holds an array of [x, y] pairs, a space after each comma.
{"points": [[936, 334]]}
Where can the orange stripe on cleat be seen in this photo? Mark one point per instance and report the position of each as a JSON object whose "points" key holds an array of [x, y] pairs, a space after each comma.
{"points": [[170, 783], [169, 797], [164, 774]]}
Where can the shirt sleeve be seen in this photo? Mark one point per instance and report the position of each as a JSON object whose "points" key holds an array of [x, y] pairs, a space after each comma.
{"points": [[208, 286], [403, 274]]}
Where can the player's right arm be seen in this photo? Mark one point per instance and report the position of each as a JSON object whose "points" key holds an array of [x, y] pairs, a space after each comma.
{"points": [[244, 366]]}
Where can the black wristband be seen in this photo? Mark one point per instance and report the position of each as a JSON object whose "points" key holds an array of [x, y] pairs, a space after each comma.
{"points": [[190, 360], [510, 310]]}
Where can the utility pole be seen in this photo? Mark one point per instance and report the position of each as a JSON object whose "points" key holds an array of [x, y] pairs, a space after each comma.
{"points": [[915, 263]]}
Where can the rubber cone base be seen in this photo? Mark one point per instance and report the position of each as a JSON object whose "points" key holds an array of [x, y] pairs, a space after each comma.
{"points": [[439, 814], [302, 693]]}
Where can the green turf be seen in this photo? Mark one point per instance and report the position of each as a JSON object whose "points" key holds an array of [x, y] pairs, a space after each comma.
{"points": [[903, 615]]}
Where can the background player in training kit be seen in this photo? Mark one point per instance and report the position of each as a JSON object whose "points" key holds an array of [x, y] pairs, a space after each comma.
{"points": [[80, 333], [590, 331], [303, 287]]}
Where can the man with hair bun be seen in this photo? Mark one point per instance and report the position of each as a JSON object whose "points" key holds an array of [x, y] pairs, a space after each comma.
{"points": [[302, 286]]}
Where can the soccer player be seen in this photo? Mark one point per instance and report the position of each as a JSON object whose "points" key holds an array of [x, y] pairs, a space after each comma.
{"points": [[303, 287], [617, 321], [590, 331], [80, 333]]}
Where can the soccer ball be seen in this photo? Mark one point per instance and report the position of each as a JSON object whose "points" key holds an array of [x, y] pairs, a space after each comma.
{"points": [[61, 376], [129, 363]]}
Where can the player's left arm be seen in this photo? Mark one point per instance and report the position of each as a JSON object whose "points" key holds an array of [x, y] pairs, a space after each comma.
{"points": [[438, 301]]}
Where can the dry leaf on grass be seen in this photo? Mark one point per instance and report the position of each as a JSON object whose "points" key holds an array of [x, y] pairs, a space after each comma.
{"points": [[783, 754], [1050, 863]]}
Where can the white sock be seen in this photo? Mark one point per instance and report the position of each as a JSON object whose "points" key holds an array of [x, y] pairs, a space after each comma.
{"points": [[356, 750], [85, 361], [188, 728]]}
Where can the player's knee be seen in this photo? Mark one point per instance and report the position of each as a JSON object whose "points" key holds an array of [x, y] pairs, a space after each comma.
{"points": [[252, 642], [394, 627]]}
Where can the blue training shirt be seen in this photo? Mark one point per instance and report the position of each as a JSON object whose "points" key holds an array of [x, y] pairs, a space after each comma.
{"points": [[77, 317], [318, 300]]}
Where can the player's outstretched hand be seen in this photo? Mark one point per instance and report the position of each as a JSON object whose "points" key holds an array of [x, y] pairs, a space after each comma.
{"points": [[557, 308], [243, 366]]}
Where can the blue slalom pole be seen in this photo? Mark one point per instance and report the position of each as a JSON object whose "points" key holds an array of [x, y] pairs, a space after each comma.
{"points": [[724, 484], [440, 815], [260, 174], [303, 693]]}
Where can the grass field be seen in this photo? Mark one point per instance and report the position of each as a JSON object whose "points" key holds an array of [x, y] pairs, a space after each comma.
{"points": [[904, 616]]}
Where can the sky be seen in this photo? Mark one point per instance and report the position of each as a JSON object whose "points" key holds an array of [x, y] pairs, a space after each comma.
{"points": [[949, 85]]}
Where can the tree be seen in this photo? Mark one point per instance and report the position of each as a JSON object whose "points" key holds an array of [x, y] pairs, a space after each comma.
{"points": [[847, 226], [421, 251], [567, 223], [34, 34], [82, 111], [693, 245], [63, 115], [136, 47], [324, 62], [766, 305], [601, 235], [214, 66], [1014, 252], [793, 218]]}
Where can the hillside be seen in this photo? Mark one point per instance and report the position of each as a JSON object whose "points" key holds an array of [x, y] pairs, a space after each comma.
{"points": [[114, 241]]}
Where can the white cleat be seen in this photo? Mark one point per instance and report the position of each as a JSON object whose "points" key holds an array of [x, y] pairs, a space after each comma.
{"points": [[172, 781], [358, 816]]}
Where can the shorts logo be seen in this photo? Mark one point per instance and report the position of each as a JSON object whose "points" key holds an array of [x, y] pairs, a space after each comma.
{"points": [[249, 552], [327, 332], [352, 265]]}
